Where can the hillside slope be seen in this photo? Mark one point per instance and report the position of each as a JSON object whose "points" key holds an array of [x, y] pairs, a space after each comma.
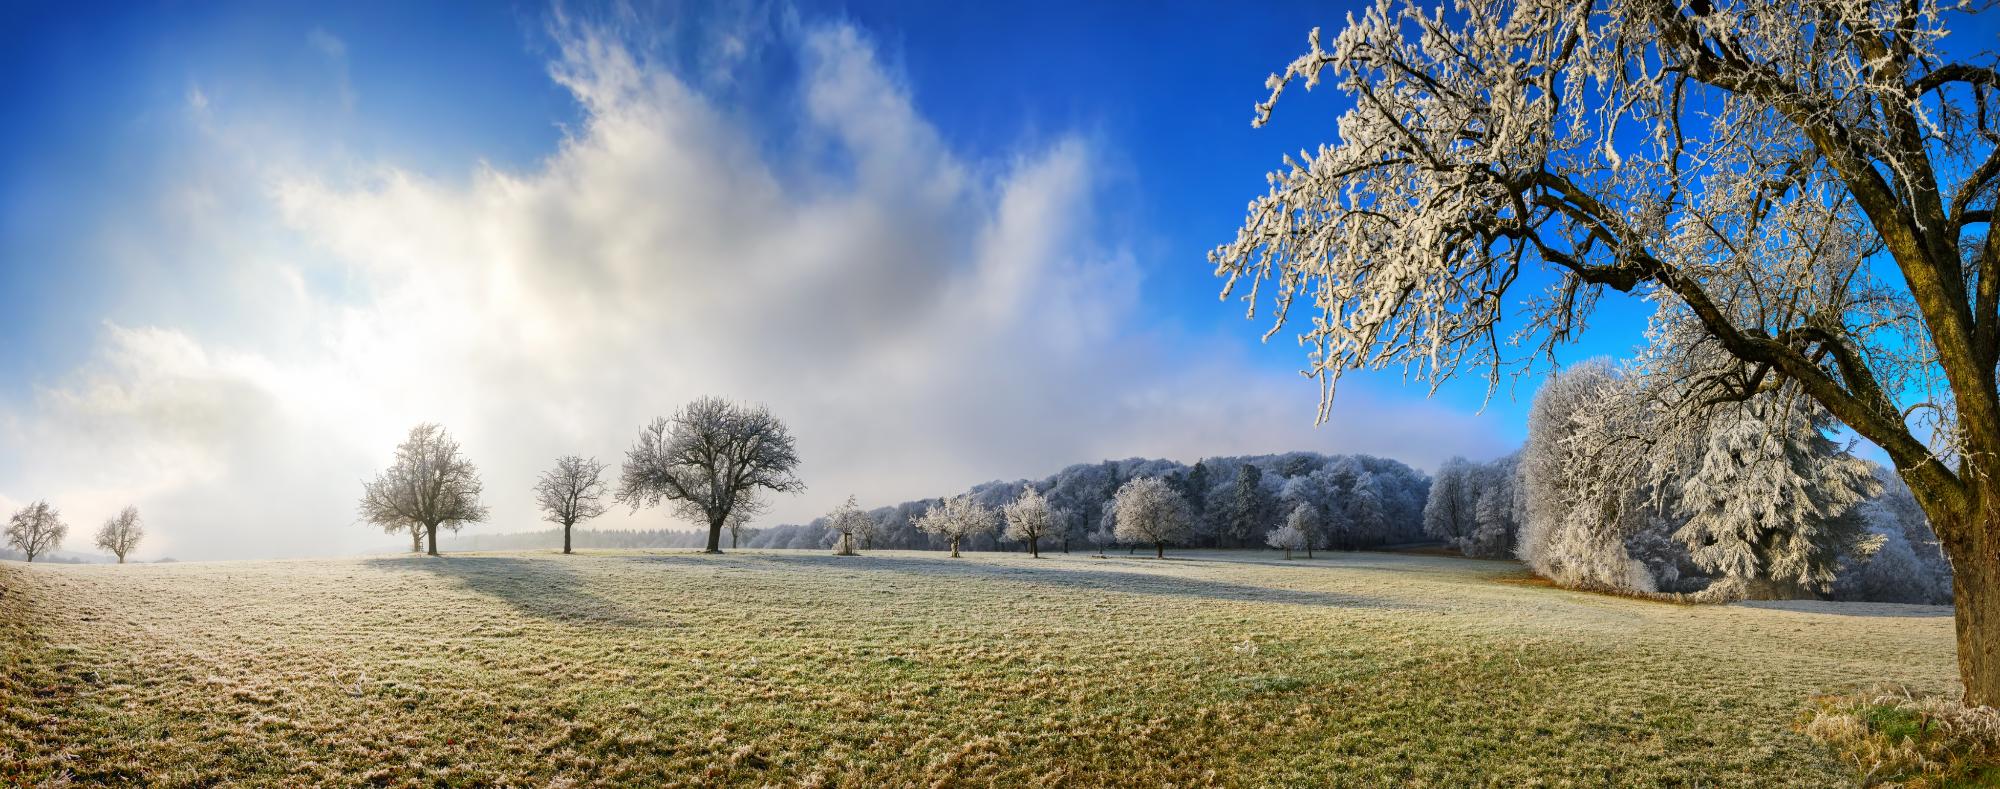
{"points": [[908, 668]]}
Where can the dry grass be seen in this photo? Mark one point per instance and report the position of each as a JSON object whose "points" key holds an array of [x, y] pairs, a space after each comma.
{"points": [[913, 669], [1896, 738]]}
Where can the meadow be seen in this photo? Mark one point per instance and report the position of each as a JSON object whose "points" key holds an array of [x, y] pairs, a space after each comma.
{"points": [[908, 668]]}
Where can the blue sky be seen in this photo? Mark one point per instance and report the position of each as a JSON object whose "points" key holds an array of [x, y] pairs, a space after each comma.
{"points": [[224, 226]]}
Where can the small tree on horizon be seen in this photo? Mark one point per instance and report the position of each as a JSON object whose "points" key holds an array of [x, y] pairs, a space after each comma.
{"points": [[1030, 518], [1304, 520], [739, 518], [955, 519], [711, 457], [430, 485], [1285, 537], [36, 529], [121, 533], [571, 493], [1151, 513], [849, 522]]}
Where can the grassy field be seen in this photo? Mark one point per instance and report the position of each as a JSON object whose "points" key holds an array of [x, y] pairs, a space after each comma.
{"points": [[783, 668]]}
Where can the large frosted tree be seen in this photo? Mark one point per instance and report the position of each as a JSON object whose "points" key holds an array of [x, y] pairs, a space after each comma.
{"points": [[1746, 164], [1769, 497], [955, 519], [429, 485], [711, 458], [1151, 512], [1030, 519]]}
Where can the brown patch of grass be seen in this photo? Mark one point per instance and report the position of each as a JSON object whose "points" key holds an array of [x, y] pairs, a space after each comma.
{"points": [[1895, 738]]}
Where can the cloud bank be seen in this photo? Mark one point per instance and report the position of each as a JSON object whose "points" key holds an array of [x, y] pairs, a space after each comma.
{"points": [[924, 319]]}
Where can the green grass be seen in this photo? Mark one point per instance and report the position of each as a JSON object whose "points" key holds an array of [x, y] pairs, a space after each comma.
{"points": [[783, 668]]}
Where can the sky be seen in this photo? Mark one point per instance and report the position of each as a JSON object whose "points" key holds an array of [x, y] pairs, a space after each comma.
{"points": [[244, 247]]}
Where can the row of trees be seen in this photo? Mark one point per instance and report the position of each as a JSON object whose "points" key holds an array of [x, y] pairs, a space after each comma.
{"points": [[709, 462], [38, 530], [1360, 501]]}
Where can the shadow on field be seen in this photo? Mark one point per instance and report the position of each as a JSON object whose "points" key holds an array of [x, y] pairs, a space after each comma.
{"points": [[1054, 576], [544, 589], [1878, 610]]}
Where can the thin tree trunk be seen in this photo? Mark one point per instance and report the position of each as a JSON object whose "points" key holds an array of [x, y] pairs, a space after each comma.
{"points": [[732, 539], [1035, 547], [566, 538], [416, 540], [1288, 554], [431, 530], [715, 535], [1159, 550], [954, 549]]}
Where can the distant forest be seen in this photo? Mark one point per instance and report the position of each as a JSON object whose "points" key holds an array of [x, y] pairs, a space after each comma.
{"points": [[1364, 501]]}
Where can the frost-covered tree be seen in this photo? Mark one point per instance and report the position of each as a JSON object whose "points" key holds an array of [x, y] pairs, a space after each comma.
{"points": [[571, 493], [429, 485], [1030, 519], [1305, 519], [1299, 532], [1582, 502], [36, 529], [1771, 499], [1367, 517], [1151, 513], [1741, 162], [1250, 507], [121, 533], [1495, 511], [846, 524], [709, 459], [1451, 512], [955, 519], [1287, 538]]}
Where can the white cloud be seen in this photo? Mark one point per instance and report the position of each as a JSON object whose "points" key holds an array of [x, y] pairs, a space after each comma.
{"points": [[924, 322]]}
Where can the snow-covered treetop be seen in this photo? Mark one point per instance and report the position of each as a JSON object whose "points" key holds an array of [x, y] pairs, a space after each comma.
{"points": [[1737, 161]]}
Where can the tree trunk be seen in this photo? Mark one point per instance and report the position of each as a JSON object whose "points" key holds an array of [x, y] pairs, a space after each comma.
{"points": [[715, 535], [1288, 554], [431, 531], [1035, 547], [416, 540], [121, 558], [1975, 593], [1159, 550], [565, 538], [954, 549], [732, 539]]}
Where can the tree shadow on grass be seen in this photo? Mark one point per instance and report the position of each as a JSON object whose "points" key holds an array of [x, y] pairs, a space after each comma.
{"points": [[543, 588], [1066, 577], [1879, 610]]}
